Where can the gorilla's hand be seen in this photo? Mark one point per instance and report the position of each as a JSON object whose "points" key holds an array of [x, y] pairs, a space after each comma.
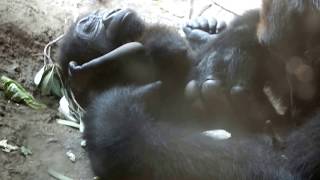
{"points": [[201, 29], [129, 58]]}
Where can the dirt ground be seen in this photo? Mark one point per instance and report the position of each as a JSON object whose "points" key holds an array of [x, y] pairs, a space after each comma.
{"points": [[25, 28]]}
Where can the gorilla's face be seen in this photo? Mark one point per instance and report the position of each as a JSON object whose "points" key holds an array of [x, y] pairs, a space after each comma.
{"points": [[103, 31]]}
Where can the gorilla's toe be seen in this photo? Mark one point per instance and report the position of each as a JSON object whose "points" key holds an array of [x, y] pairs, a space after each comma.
{"points": [[192, 90], [211, 89], [237, 90]]}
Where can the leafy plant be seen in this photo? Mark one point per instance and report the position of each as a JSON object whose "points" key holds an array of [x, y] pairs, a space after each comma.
{"points": [[15, 92]]}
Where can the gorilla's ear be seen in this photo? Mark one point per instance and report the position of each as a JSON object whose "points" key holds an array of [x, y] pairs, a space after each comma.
{"points": [[129, 51]]}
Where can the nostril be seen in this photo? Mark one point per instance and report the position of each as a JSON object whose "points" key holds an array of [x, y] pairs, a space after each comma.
{"points": [[211, 89], [192, 90]]}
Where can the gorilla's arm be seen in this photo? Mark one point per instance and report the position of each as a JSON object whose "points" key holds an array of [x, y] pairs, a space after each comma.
{"points": [[129, 51]]}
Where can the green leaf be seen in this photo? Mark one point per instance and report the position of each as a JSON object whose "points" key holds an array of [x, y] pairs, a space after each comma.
{"points": [[15, 92], [50, 82]]}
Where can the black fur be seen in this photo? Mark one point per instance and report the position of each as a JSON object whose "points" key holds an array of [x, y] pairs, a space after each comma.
{"points": [[166, 57], [303, 149], [231, 72], [135, 145], [132, 131]]}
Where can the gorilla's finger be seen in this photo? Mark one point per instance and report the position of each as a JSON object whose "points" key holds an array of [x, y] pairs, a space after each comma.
{"points": [[192, 90], [193, 24], [212, 22], [212, 89], [204, 24], [124, 52], [221, 27], [237, 90], [187, 30], [73, 68], [198, 35]]}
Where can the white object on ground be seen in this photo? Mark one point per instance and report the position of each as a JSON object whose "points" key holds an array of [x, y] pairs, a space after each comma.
{"points": [[218, 134], [38, 76], [64, 109], [7, 147], [71, 156]]}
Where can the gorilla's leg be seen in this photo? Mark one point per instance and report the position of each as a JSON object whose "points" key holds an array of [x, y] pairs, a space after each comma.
{"points": [[124, 142], [230, 73]]}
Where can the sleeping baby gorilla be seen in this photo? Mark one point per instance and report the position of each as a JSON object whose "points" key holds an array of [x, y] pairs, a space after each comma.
{"points": [[128, 75], [102, 50], [105, 49]]}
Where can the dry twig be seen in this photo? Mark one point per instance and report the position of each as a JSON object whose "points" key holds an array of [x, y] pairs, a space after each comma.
{"points": [[225, 9]]}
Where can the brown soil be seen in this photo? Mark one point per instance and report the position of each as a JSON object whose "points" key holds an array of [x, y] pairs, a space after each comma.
{"points": [[20, 59]]}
